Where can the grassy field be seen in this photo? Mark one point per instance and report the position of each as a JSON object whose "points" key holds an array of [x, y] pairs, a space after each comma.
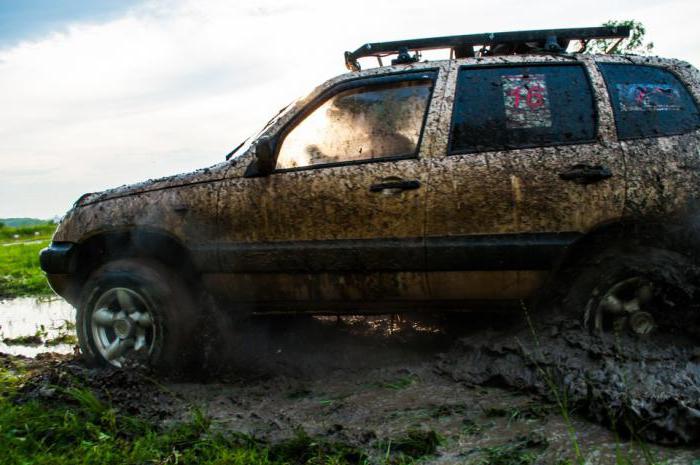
{"points": [[20, 274]]}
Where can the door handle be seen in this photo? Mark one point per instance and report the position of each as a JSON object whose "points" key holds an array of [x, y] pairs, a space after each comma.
{"points": [[397, 186], [586, 174]]}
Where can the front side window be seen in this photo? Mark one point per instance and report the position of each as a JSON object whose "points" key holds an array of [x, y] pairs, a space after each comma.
{"points": [[649, 101], [364, 123], [502, 108]]}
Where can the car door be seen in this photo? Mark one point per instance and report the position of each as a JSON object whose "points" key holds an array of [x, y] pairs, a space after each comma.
{"points": [[527, 168], [657, 120], [341, 219]]}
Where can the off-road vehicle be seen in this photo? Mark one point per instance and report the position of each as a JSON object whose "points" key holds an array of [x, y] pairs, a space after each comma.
{"points": [[514, 167]]}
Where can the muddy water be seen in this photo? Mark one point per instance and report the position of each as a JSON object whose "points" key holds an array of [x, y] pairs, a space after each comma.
{"points": [[46, 318]]}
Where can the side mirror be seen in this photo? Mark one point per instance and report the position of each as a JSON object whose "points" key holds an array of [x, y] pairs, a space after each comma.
{"points": [[264, 162]]}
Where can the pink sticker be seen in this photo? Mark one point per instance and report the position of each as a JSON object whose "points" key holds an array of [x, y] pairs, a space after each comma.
{"points": [[526, 101]]}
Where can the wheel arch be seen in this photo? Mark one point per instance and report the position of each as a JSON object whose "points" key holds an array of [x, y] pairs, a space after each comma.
{"points": [[681, 235], [97, 249]]}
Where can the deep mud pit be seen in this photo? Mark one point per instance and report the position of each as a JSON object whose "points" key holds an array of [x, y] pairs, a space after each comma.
{"points": [[374, 382]]}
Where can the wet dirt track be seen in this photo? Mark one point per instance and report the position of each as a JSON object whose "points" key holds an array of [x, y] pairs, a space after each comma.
{"points": [[372, 381]]}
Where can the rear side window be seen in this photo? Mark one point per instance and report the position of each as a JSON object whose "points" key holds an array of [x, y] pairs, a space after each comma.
{"points": [[649, 101], [501, 108]]}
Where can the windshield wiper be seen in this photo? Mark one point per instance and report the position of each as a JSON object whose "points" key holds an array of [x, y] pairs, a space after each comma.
{"points": [[232, 152], [267, 125]]}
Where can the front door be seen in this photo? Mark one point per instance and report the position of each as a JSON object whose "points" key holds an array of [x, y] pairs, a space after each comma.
{"points": [[528, 167], [342, 217]]}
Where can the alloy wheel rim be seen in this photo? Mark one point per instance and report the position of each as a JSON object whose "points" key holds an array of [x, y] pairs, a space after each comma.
{"points": [[625, 305], [122, 326]]}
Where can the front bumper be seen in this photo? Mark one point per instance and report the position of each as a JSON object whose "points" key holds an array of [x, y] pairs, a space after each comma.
{"points": [[59, 258], [58, 261]]}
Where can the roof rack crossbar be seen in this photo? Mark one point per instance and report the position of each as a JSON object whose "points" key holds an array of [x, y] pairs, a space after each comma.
{"points": [[484, 39]]}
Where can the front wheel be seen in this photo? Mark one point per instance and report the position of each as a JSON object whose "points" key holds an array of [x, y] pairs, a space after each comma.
{"points": [[137, 311]]}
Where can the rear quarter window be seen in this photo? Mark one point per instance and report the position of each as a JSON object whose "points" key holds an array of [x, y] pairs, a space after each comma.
{"points": [[510, 107], [649, 101]]}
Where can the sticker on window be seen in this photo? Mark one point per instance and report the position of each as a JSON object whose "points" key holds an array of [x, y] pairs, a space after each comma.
{"points": [[526, 101], [648, 97]]}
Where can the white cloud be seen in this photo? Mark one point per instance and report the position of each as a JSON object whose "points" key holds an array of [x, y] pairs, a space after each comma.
{"points": [[173, 85]]}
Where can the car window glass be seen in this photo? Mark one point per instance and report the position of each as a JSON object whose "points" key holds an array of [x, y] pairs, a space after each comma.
{"points": [[364, 123], [649, 101], [501, 108]]}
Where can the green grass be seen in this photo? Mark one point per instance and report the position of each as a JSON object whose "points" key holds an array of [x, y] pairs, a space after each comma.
{"points": [[24, 233], [65, 336], [33, 340], [508, 454], [399, 383], [82, 429], [20, 274], [62, 338], [415, 443]]}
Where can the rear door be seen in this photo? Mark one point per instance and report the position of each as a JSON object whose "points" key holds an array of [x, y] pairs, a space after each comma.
{"points": [[342, 218], [528, 166], [657, 119]]}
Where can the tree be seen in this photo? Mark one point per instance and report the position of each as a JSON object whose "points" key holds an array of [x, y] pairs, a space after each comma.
{"points": [[634, 45]]}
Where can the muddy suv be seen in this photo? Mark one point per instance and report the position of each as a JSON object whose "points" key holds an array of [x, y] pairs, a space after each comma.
{"points": [[474, 182]]}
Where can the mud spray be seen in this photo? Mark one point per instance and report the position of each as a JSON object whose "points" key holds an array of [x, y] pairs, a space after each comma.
{"points": [[644, 388]]}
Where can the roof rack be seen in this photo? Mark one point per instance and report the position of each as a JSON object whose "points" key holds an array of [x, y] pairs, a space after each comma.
{"points": [[498, 43]]}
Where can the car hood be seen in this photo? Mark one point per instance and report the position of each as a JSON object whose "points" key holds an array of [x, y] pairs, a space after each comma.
{"points": [[212, 173]]}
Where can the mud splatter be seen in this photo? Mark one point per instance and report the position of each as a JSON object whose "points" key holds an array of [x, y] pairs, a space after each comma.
{"points": [[647, 388]]}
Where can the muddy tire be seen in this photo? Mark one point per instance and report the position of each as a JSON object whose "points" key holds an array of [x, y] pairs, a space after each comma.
{"points": [[639, 290], [138, 312]]}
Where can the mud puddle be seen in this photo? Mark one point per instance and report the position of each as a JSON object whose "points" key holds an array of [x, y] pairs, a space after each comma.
{"points": [[30, 326]]}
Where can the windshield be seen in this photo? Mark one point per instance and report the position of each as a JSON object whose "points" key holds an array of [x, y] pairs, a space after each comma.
{"points": [[245, 145]]}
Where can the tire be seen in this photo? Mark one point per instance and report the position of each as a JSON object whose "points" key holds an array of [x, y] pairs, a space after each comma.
{"points": [[639, 290], [136, 311]]}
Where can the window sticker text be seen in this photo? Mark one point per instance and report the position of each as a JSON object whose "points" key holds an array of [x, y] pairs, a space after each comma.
{"points": [[526, 101]]}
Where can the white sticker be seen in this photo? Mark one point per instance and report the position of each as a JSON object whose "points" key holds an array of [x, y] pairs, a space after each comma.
{"points": [[526, 101]]}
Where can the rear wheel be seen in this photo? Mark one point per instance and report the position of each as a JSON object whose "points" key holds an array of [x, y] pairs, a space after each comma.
{"points": [[136, 311], [640, 290]]}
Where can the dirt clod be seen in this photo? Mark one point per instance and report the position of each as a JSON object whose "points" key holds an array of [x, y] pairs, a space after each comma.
{"points": [[133, 391]]}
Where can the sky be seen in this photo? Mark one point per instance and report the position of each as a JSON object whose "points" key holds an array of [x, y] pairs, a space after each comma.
{"points": [[100, 93]]}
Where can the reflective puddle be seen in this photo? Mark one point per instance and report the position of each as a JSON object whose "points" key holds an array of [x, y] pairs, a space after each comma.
{"points": [[30, 326]]}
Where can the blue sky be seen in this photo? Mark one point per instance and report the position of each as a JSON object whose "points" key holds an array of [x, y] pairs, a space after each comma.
{"points": [[34, 19], [95, 94]]}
